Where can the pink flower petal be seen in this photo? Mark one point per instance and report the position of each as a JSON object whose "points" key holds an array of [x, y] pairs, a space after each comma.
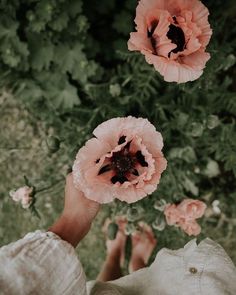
{"points": [[173, 71], [196, 60], [172, 214], [23, 195], [192, 209], [138, 41], [144, 9], [191, 228]]}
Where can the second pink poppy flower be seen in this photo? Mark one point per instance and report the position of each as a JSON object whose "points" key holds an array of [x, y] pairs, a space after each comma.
{"points": [[173, 35]]}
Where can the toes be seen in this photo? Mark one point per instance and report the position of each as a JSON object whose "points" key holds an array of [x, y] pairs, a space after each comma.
{"points": [[121, 221], [105, 225], [147, 232], [136, 237]]}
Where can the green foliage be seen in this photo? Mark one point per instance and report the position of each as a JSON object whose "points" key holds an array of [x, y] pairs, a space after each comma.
{"points": [[42, 50], [69, 64]]}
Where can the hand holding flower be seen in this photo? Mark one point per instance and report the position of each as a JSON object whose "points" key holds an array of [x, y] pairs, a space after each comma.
{"points": [[123, 161], [77, 216]]}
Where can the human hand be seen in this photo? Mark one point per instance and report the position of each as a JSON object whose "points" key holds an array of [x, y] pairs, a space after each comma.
{"points": [[77, 206], [77, 215]]}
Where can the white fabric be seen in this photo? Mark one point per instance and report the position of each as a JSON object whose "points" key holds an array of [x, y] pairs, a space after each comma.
{"points": [[41, 263], [170, 274]]}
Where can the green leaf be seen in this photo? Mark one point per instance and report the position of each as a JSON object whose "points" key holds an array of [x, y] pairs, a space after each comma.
{"points": [[8, 28], [60, 22], [67, 98], [13, 52], [68, 58], [28, 90], [74, 7], [41, 53], [124, 26], [57, 90], [190, 186], [44, 10]]}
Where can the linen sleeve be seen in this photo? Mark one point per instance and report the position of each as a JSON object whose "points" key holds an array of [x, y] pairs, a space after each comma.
{"points": [[41, 263]]}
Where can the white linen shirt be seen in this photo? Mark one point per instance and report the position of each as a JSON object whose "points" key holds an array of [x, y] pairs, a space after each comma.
{"points": [[42, 263]]}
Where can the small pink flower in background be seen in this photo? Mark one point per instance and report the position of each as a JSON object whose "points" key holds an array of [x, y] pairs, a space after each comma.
{"points": [[173, 35], [192, 209], [123, 161], [184, 215], [192, 228], [172, 214], [23, 195]]}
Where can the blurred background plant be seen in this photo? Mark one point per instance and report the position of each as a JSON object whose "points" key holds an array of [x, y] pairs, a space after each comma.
{"points": [[65, 68]]}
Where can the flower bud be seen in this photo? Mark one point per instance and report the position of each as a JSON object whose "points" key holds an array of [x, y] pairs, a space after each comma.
{"points": [[115, 90], [134, 213], [196, 170], [182, 119], [229, 61], [212, 169], [196, 129], [30, 16], [216, 208], [160, 205], [53, 144], [24, 195], [212, 121], [159, 223], [189, 155]]}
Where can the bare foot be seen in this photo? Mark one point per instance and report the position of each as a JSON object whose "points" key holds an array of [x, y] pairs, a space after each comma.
{"points": [[116, 247], [111, 269], [143, 244]]}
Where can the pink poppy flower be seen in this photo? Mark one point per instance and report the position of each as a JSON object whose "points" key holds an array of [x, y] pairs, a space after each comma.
{"points": [[123, 161], [172, 214], [191, 228], [184, 215], [192, 209], [173, 35], [23, 195]]}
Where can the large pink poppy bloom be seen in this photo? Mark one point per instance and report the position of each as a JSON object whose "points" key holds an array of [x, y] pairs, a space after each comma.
{"points": [[184, 215], [173, 35], [123, 161]]}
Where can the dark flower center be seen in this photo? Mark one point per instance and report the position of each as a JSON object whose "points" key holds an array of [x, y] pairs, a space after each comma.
{"points": [[152, 28], [121, 139], [123, 163], [150, 32], [176, 35]]}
